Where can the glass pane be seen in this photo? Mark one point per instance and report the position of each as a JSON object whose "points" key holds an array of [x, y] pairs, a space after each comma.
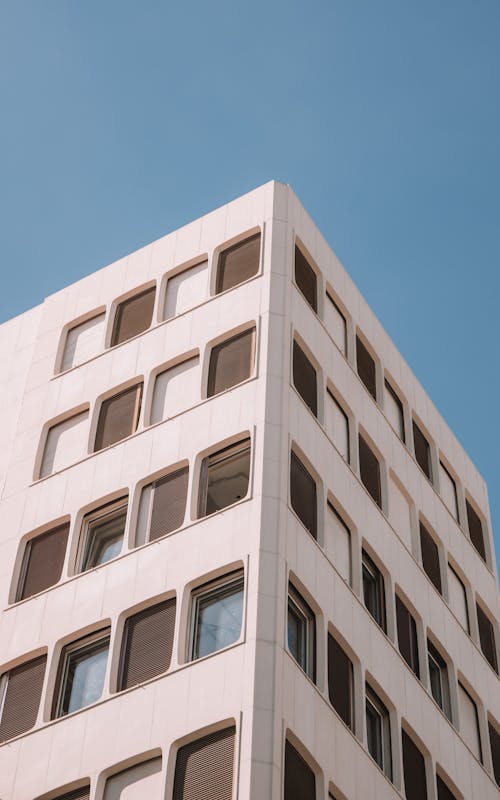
{"points": [[296, 635], [227, 480], [374, 733], [86, 669], [371, 595], [218, 620], [435, 680], [104, 540]]}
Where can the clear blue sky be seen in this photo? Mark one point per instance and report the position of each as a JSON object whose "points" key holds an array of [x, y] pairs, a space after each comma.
{"points": [[124, 119]]}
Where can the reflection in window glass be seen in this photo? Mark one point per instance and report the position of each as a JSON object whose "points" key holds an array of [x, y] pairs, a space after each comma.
{"points": [[217, 618], [103, 534], [83, 672], [224, 478]]}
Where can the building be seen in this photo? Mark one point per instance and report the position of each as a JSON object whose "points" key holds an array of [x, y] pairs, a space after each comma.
{"points": [[242, 555]]}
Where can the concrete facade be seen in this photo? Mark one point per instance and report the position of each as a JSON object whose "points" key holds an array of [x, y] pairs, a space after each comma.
{"points": [[50, 475]]}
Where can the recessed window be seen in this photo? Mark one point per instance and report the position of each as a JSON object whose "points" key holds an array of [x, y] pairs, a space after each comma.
{"points": [[476, 532], [204, 767], [448, 490], [217, 612], [238, 263], [400, 511], [458, 598], [469, 721], [186, 290], [224, 478], [133, 316], [373, 591], [378, 732], [430, 557], [407, 636], [413, 769], [443, 790], [369, 469], [82, 793], [487, 637], [43, 561], [82, 670], [305, 278], [394, 411], [340, 682], [301, 632], [438, 677], [64, 444], [143, 780], [83, 341], [300, 781], [494, 736], [338, 543], [162, 506], [231, 362], [147, 643], [102, 534], [305, 378], [366, 367], [337, 425], [175, 390], [303, 495], [20, 693], [422, 451], [336, 323], [118, 417]]}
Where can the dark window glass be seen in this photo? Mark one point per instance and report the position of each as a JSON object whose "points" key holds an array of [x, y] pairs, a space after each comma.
{"points": [[430, 557], [238, 263], [303, 495], [373, 591], [231, 362], [304, 378], [394, 410], [475, 530], [22, 690], [366, 368], [81, 674], [168, 503], [369, 469], [413, 769], [147, 644], [301, 632], [204, 768], [43, 561], [438, 677], [340, 681], [407, 636], [444, 793], [300, 783], [118, 417], [305, 278], [487, 637], [422, 451], [133, 316], [495, 750], [224, 478], [378, 732]]}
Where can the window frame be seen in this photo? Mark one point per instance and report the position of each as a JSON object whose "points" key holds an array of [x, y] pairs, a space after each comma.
{"points": [[213, 458], [115, 313], [218, 345], [440, 667], [138, 386], [88, 643], [302, 611], [388, 387], [93, 518], [228, 247], [377, 576], [217, 588], [382, 712]]}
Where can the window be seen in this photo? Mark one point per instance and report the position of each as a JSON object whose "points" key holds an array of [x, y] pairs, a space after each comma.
{"points": [[378, 732], [303, 495], [475, 530], [366, 368], [135, 783], [422, 451], [118, 417], [20, 693], [82, 669], [300, 782], [413, 769], [301, 632], [204, 768], [217, 612], [407, 636], [133, 316], [83, 341], [147, 643], [340, 682], [394, 411], [469, 722], [337, 425], [43, 561], [338, 543], [186, 290], [495, 749], [238, 263], [443, 791], [224, 478], [487, 637], [336, 324], [373, 590], [305, 278], [448, 490], [175, 390], [430, 557], [458, 598], [304, 378], [82, 793], [438, 677], [64, 444], [102, 534], [231, 362], [400, 512], [369, 469], [162, 506]]}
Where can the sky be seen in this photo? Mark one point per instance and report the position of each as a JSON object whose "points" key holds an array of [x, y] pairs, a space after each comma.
{"points": [[122, 120]]}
